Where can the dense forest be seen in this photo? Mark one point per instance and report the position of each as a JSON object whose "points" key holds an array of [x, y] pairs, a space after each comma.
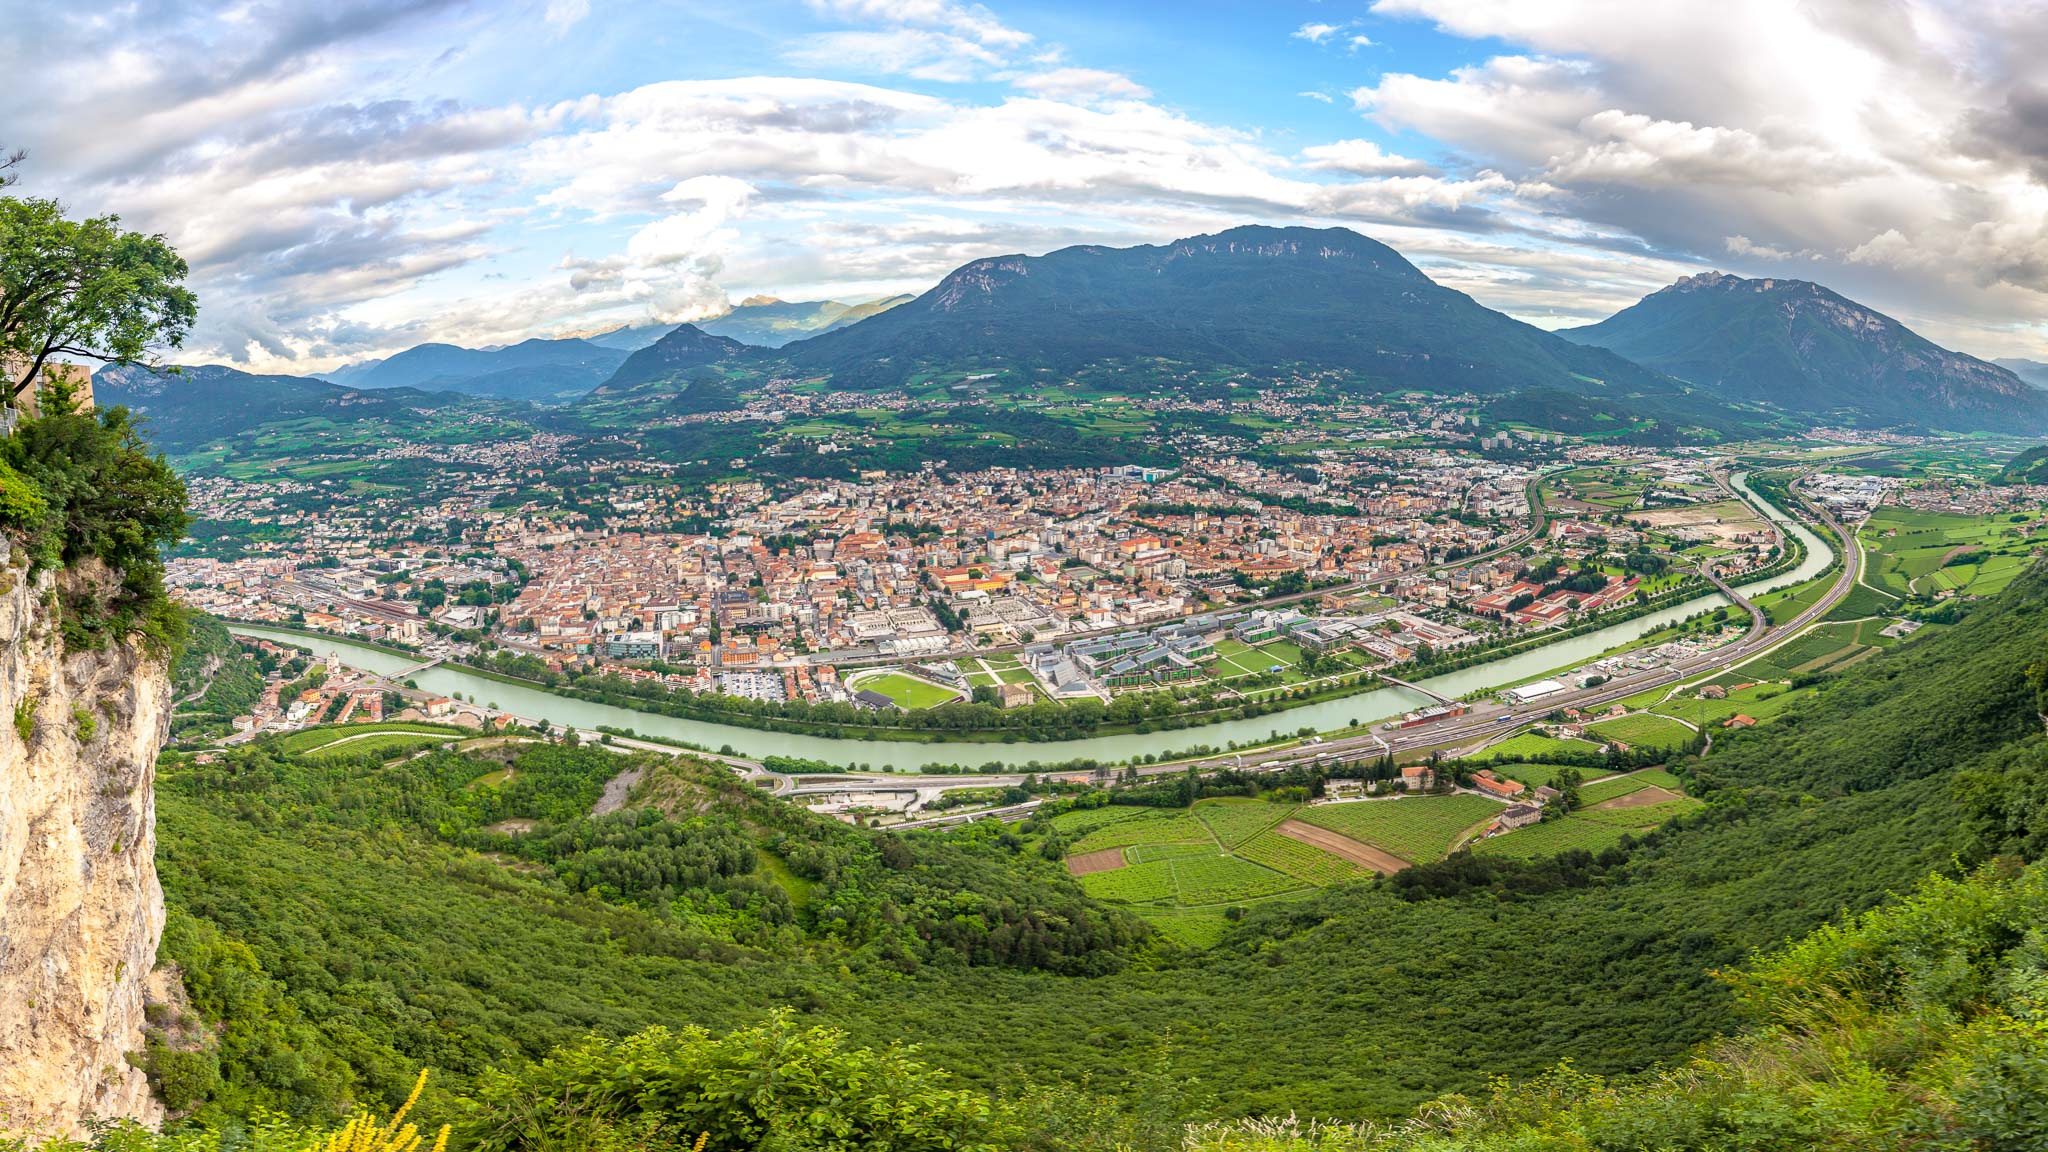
{"points": [[346, 922]]}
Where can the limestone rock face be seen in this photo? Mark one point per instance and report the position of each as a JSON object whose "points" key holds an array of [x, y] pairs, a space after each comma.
{"points": [[80, 910]]}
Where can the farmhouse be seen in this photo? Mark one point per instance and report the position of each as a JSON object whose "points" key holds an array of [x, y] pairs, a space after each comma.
{"points": [[1518, 816], [1493, 785]]}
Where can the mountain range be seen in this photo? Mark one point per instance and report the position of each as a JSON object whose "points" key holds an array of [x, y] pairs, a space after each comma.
{"points": [[538, 370], [2033, 372], [1801, 347], [1713, 354], [1252, 299]]}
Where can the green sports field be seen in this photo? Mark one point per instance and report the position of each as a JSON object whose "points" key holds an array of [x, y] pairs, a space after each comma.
{"points": [[909, 692]]}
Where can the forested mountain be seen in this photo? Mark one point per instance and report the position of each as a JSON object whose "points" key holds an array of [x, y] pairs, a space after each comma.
{"points": [[1252, 299], [539, 370], [1805, 349], [685, 370], [704, 903], [193, 405]]}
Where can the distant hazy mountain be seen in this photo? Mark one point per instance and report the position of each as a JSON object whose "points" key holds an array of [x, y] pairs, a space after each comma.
{"points": [[767, 322], [202, 403], [631, 338], [539, 370], [1251, 298], [762, 321], [2033, 372], [1805, 349]]}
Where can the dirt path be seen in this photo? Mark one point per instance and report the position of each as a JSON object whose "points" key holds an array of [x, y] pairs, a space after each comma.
{"points": [[1107, 860], [1364, 855], [616, 790], [1640, 798]]}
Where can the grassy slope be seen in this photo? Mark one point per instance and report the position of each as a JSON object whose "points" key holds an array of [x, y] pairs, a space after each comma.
{"points": [[1351, 1001]]}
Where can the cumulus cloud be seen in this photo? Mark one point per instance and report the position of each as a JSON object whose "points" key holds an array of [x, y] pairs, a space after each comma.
{"points": [[1895, 149], [1317, 33], [1361, 158]]}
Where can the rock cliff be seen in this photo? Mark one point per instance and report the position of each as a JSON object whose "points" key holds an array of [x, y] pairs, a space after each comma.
{"points": [[80, 910]]}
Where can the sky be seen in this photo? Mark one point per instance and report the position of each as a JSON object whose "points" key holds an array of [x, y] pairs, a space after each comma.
{"points": [[352, 177]]}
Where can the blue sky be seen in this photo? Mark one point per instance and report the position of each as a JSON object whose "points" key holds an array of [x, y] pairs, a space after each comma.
{"points": [[356, 176]]}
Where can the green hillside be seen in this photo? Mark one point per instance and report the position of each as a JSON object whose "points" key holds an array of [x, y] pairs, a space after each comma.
{"points": [[362, 919]]}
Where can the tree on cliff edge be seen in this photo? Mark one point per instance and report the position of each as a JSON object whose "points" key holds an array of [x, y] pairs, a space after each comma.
{"points": [[83, 288]]}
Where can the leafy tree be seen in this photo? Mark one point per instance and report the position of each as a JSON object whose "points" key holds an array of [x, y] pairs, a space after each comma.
{"points": [[84, 288]]}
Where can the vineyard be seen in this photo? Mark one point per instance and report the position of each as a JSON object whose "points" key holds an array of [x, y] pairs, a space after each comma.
{"points": [[1417, 829], [1182, 870], [1643, 730], [1551, 837]]}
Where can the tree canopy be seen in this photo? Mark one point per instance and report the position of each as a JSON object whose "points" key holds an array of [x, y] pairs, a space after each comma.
{"points": [[84, 288]]}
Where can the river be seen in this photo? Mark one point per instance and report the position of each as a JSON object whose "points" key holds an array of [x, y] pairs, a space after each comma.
{"points": [[1365, 707]]}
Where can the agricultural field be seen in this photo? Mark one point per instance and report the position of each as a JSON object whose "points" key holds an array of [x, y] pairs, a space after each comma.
{"points": [[383, 745], [1304, 862], [1615, 787], [1084, 820], [1863, 601], [1827, 648], [307, 739], [1534, 775], [1643, 730], [1415, 828], [1910, 551], [1786, 604], [1233, 822], [1644, 816], [1551, 837], [908, 692], [1537, 744], [1155, 826], [1757, 701], [1181, 870]]}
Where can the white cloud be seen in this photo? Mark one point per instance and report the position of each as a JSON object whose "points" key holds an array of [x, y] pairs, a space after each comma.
{"points": [[565, 14], [1316, 33], [1082, 84], [1359, 157], [1894, 149], [1319, 97]]}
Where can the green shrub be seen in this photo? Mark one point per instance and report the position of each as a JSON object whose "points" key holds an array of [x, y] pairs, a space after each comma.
{"points": [[772, 1086], [81, 486]]}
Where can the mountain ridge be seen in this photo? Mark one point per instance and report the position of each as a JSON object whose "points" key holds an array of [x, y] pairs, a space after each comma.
{"points": [[1805, 348]]}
